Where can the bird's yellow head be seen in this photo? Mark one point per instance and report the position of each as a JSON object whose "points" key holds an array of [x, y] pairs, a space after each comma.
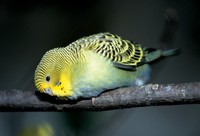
{"points": [[52, 75]]}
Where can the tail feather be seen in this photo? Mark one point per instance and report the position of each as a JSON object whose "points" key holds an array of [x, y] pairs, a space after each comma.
{"points": [[153, 54], [170, 52]]}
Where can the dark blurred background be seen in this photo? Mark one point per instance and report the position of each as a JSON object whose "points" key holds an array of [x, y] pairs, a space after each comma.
{"points": [[29, 28]]}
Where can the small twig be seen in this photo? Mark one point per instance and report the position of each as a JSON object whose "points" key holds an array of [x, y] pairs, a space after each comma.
{"points": [[147, 95]]}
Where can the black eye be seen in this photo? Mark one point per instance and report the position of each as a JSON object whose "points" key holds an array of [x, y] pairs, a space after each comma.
{"points": [[48, 78]]}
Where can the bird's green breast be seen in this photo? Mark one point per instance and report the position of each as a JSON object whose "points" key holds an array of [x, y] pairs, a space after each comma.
{"points": [[98, 74]]}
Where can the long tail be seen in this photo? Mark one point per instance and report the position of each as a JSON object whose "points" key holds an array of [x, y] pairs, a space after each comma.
{"points": [[153, 54]]}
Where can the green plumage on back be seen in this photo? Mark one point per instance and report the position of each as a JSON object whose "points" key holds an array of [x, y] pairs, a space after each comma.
{"points": [[93, 64]]}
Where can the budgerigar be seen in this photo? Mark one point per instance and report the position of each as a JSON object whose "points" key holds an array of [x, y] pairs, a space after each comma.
{"points": [[93, 64]]}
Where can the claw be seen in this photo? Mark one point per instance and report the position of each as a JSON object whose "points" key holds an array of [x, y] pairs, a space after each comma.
{"points": [[93, 100]]}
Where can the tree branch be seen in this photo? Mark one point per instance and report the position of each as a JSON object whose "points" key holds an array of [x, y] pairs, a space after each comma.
{"points": [[147, 95]]}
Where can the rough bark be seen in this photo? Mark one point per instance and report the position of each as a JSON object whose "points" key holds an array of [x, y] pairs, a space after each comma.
{"points": [[147, 95]]}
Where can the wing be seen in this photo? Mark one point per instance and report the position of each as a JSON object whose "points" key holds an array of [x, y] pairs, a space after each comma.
{"points": [[123, 53]]}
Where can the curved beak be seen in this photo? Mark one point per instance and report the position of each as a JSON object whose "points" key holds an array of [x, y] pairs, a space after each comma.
{"points": [[48, 91]]}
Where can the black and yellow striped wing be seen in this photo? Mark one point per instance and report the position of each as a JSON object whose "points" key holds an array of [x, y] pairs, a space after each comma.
{"points": [[123, 53]]}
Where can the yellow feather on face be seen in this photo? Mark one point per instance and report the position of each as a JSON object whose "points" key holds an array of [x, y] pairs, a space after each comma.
{"points": [[93, 64]]}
